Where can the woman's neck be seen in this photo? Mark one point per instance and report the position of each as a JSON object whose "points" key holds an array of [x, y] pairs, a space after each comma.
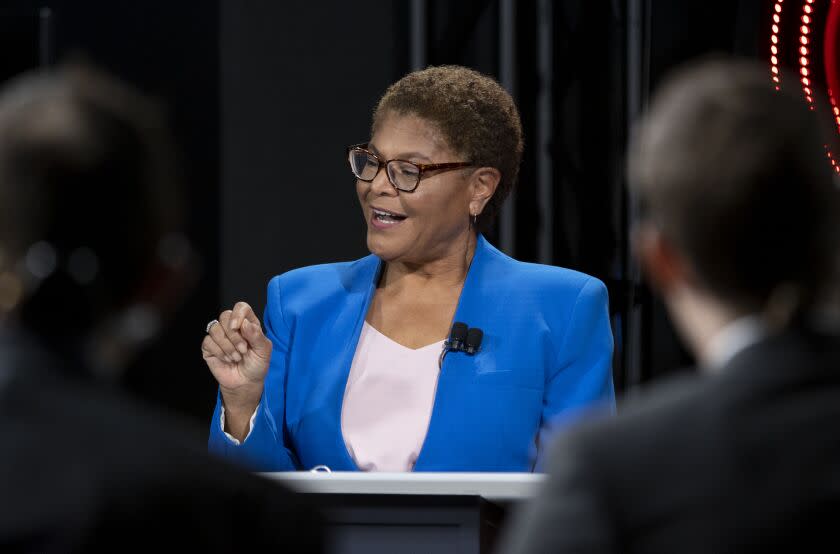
{"points": [[449, 270]]}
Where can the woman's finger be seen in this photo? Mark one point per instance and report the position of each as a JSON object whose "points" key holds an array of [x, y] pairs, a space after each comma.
{"points": [[233, 336], [241, 312], [209, 349], [260, 344], [217, 333]]}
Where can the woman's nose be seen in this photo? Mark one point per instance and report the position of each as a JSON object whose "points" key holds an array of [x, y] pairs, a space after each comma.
{"points": [[381, 185]]}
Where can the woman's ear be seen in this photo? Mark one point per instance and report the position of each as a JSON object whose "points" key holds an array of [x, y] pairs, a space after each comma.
{"points": [[483, 183]]}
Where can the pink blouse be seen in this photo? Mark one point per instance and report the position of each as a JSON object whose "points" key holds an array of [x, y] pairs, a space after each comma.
{"points": [[388, 401]]}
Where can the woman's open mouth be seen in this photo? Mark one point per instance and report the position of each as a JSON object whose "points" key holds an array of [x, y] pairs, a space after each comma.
{"points": [[384, 219]]}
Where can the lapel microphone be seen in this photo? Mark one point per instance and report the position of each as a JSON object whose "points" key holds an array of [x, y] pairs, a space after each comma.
{"points": [[461, 339], [473, 342]]}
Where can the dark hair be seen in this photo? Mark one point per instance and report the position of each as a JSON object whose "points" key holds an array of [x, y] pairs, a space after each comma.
{"points": [[736, 176], [476, 116], [87, 191]]}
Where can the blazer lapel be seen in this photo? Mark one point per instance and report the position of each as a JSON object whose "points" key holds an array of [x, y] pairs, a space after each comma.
{"points": [[360, 285]]}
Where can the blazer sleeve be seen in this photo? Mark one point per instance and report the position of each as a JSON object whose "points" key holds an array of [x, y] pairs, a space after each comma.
{"points": [[570, 512], [266, 447], [581, 380]]}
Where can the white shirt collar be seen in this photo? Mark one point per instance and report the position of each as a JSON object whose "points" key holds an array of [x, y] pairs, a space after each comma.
{"points": [[732, 339]]}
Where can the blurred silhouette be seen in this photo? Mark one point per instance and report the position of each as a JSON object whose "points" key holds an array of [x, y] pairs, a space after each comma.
{"points": [[739, 235], [91, 265]]}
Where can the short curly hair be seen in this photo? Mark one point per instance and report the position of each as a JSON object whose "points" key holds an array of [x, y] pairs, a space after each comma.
{"points": [[477, 117]]}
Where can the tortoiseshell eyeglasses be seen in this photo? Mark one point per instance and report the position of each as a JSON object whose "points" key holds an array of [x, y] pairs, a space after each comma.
{"points": [[402, 174]]}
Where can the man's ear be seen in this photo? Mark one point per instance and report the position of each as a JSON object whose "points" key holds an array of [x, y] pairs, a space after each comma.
{"points": [[664, 267], [483, 184]]}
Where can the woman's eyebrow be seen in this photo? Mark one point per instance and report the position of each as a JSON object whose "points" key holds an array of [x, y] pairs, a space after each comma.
{"points": [[401, 156], [414, 155]]}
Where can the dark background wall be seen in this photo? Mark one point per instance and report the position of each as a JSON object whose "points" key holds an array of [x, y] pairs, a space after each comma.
{"points": [[298, 84], [264, 96], [170, 51]]}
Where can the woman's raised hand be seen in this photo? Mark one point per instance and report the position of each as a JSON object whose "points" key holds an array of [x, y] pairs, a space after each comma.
{"points": [[237, 353]]}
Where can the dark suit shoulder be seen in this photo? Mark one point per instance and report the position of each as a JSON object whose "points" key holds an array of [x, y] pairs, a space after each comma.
{"points": [[724, 462], [651, 415], [94, 470]]}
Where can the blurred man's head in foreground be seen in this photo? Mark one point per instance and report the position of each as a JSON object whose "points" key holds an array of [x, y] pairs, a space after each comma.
{"points": [[89, 212], [737, 200]]}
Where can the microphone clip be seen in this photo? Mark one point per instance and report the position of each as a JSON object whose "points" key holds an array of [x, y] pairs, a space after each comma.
{"points": [[462, 339]]}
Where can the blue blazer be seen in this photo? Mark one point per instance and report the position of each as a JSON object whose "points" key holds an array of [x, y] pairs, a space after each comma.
{"points": [[546, 354]]}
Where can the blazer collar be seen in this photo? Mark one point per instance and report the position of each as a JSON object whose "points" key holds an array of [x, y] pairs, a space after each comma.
{"points": [[486, 267]]}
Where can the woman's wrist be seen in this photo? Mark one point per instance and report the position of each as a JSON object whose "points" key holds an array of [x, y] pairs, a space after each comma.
{"points": [[241, 401]]}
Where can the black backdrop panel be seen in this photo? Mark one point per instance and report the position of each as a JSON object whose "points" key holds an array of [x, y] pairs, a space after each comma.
{"points": [[170, 52], [299, 82]]}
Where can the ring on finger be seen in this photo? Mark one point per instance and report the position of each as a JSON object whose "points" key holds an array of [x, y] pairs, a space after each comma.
{"points": [[210, 324]]}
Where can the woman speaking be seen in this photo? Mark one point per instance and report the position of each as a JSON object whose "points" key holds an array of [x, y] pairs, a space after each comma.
{"points": [[353, 370]]}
